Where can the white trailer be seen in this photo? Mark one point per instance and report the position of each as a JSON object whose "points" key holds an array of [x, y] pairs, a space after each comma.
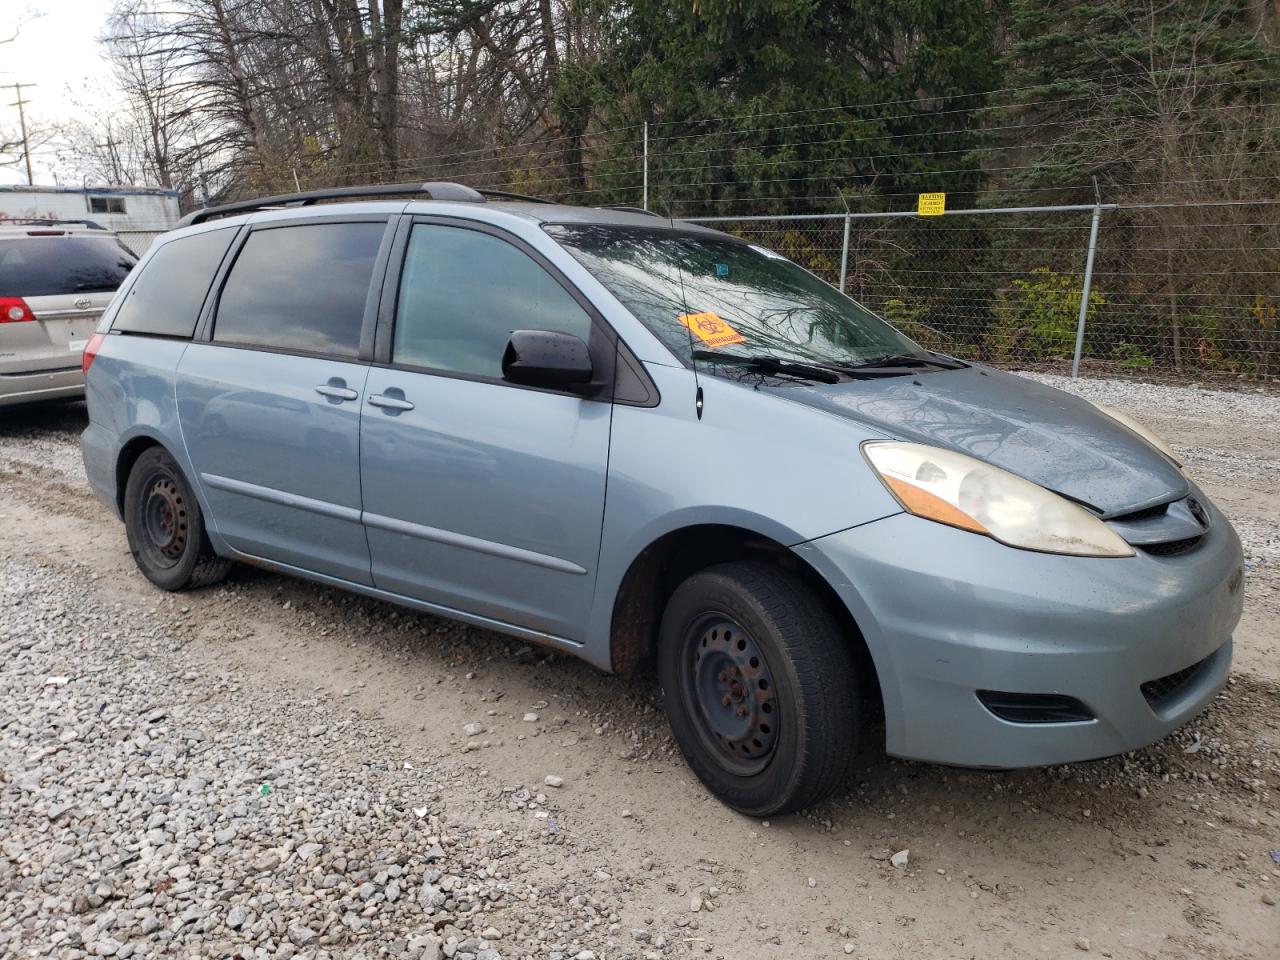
{"points": [[137, 214]]}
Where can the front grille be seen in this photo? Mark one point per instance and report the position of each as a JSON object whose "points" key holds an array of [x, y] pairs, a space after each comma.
{"points": [[1172, 548], [1148, 513], [1165, 530], [1034, 707], [1163, 689]]}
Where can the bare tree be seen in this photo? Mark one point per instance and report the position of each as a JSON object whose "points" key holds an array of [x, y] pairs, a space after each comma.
{"points": [[259, 94]]}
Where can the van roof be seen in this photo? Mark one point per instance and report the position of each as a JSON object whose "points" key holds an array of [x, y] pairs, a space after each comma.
{"points": [[535, 209]]}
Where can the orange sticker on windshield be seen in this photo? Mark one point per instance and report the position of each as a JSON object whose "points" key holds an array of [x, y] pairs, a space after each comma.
{"points": [[711, 329]]}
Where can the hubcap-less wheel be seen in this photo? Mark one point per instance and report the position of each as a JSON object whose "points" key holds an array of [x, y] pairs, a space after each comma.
{"points": [[730, 681], [759, 683], [164, 525], [164, 515]]}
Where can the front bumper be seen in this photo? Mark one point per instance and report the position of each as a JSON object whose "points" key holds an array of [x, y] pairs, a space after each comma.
{"points": [[18, 388], [947, 613]]}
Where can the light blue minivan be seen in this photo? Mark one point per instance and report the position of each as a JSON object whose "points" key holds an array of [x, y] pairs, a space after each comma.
{"points": [[645, 442]]}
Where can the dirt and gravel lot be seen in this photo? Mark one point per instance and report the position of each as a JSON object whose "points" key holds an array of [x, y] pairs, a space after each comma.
{"points": [[273, 769]]}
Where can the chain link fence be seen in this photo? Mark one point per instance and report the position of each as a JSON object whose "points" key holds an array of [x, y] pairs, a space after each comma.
{"points": [[1185, 290], [1188, 289]]}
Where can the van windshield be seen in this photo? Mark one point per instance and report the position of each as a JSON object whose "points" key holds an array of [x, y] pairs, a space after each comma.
{"points": [[703, 293]]}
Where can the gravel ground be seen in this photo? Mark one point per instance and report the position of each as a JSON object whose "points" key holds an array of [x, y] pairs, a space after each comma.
{"points": [[273, 769], [160, 813]]}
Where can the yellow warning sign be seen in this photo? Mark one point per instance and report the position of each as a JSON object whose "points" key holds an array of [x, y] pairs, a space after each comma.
{"points": [[711, 329], [932, 204]]}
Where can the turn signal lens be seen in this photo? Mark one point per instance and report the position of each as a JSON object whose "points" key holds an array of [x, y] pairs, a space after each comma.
{"points": [[962, 492], [925, 504]]}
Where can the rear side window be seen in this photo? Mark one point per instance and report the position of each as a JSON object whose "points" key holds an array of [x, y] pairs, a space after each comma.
{"points": [[50, 266], [301, 288], [166, 298]]}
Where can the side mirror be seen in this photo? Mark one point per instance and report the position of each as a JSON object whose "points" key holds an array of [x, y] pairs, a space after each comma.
{"points": [[546, 358]]}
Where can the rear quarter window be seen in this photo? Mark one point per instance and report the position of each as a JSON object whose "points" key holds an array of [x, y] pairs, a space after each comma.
{"points": [[55, 266], [166, 298]]}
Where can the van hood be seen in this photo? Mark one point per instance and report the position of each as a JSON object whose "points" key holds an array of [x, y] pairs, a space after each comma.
{"points": [[1044, 435]]}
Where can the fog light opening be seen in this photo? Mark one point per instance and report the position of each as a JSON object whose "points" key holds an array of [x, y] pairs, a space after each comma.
{"points": [[1034, 707]]}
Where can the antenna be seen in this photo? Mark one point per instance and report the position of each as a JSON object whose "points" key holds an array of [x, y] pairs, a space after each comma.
{"points": [[684, 300]]}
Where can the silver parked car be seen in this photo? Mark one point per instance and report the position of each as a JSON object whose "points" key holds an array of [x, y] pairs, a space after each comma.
{"points": [[56, 277], [640, 441]]}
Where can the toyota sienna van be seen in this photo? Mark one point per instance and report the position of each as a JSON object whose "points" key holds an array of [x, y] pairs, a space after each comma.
{"points": [[56, 278], [646, 442]]}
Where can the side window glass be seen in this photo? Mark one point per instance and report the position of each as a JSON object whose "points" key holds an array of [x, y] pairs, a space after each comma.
{"points": [[166, 298], [300, 288], [462, 292]]}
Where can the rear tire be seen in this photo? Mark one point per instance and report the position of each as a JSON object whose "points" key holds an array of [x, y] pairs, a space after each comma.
{"points": [[760, 687], [165, 527]]}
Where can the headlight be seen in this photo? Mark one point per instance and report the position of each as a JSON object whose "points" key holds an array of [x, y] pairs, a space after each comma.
{"points": [[958, 490], [1143, 432]]}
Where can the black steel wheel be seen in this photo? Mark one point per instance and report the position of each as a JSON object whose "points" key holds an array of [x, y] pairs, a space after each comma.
{"points": [[165, 527], [727, 675], [166, 519], [760, 687]]}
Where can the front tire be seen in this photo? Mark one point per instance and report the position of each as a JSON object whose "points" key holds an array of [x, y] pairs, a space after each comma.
{"points": [[760, 687], [165, 527]]}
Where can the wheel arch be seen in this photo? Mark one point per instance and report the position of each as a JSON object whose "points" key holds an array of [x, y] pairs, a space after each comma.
{"points": [[676, 555], [129, 453]]}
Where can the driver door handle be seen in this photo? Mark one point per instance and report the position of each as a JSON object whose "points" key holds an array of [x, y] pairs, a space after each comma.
{"points": [[335, 392], [390, 403]]}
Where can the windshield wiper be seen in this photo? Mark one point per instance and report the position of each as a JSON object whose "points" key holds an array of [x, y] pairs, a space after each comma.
{"points": [[767, 364], [902, 360]]}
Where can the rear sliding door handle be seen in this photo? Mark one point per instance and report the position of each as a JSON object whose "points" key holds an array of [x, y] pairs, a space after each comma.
{"points": [[390, 403], [334, 392]]}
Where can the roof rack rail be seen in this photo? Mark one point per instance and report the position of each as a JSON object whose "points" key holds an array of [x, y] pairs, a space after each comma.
{"points": [[507, 195], [625, 209], [437, 191], [49, 222]]}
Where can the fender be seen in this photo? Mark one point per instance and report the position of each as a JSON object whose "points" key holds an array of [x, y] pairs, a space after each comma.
{"points": [[795, 475]]}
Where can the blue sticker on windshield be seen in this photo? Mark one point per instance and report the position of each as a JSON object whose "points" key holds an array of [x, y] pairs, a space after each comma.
{"points": [[722, 269]]}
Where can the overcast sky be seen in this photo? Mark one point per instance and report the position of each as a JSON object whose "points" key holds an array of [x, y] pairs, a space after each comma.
{"points": [[57, 49]]}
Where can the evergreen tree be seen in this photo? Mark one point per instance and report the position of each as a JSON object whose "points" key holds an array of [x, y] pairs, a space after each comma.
{"points": [[789, 104], [1140, 94]]}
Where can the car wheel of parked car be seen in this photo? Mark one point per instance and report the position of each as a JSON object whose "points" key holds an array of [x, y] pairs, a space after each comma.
{"points": [[760, 687], [165, 527]]}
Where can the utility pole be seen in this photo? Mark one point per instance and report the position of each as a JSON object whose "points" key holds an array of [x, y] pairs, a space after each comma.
{"points": [[117, 175], [22, 121]]}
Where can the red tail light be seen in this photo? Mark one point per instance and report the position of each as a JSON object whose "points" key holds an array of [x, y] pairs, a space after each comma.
{"points": [[15, 310], [90, 351]]}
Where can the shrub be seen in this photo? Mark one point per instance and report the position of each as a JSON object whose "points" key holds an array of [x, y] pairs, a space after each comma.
{"points": [[1035, 319]]}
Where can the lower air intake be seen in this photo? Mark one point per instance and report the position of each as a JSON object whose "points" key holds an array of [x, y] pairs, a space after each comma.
{"points": [[1163, 689], [1172, 548], [1034, 707]]}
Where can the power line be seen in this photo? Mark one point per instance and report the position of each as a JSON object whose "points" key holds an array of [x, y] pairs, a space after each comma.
{"points": [[1122, 83]]}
